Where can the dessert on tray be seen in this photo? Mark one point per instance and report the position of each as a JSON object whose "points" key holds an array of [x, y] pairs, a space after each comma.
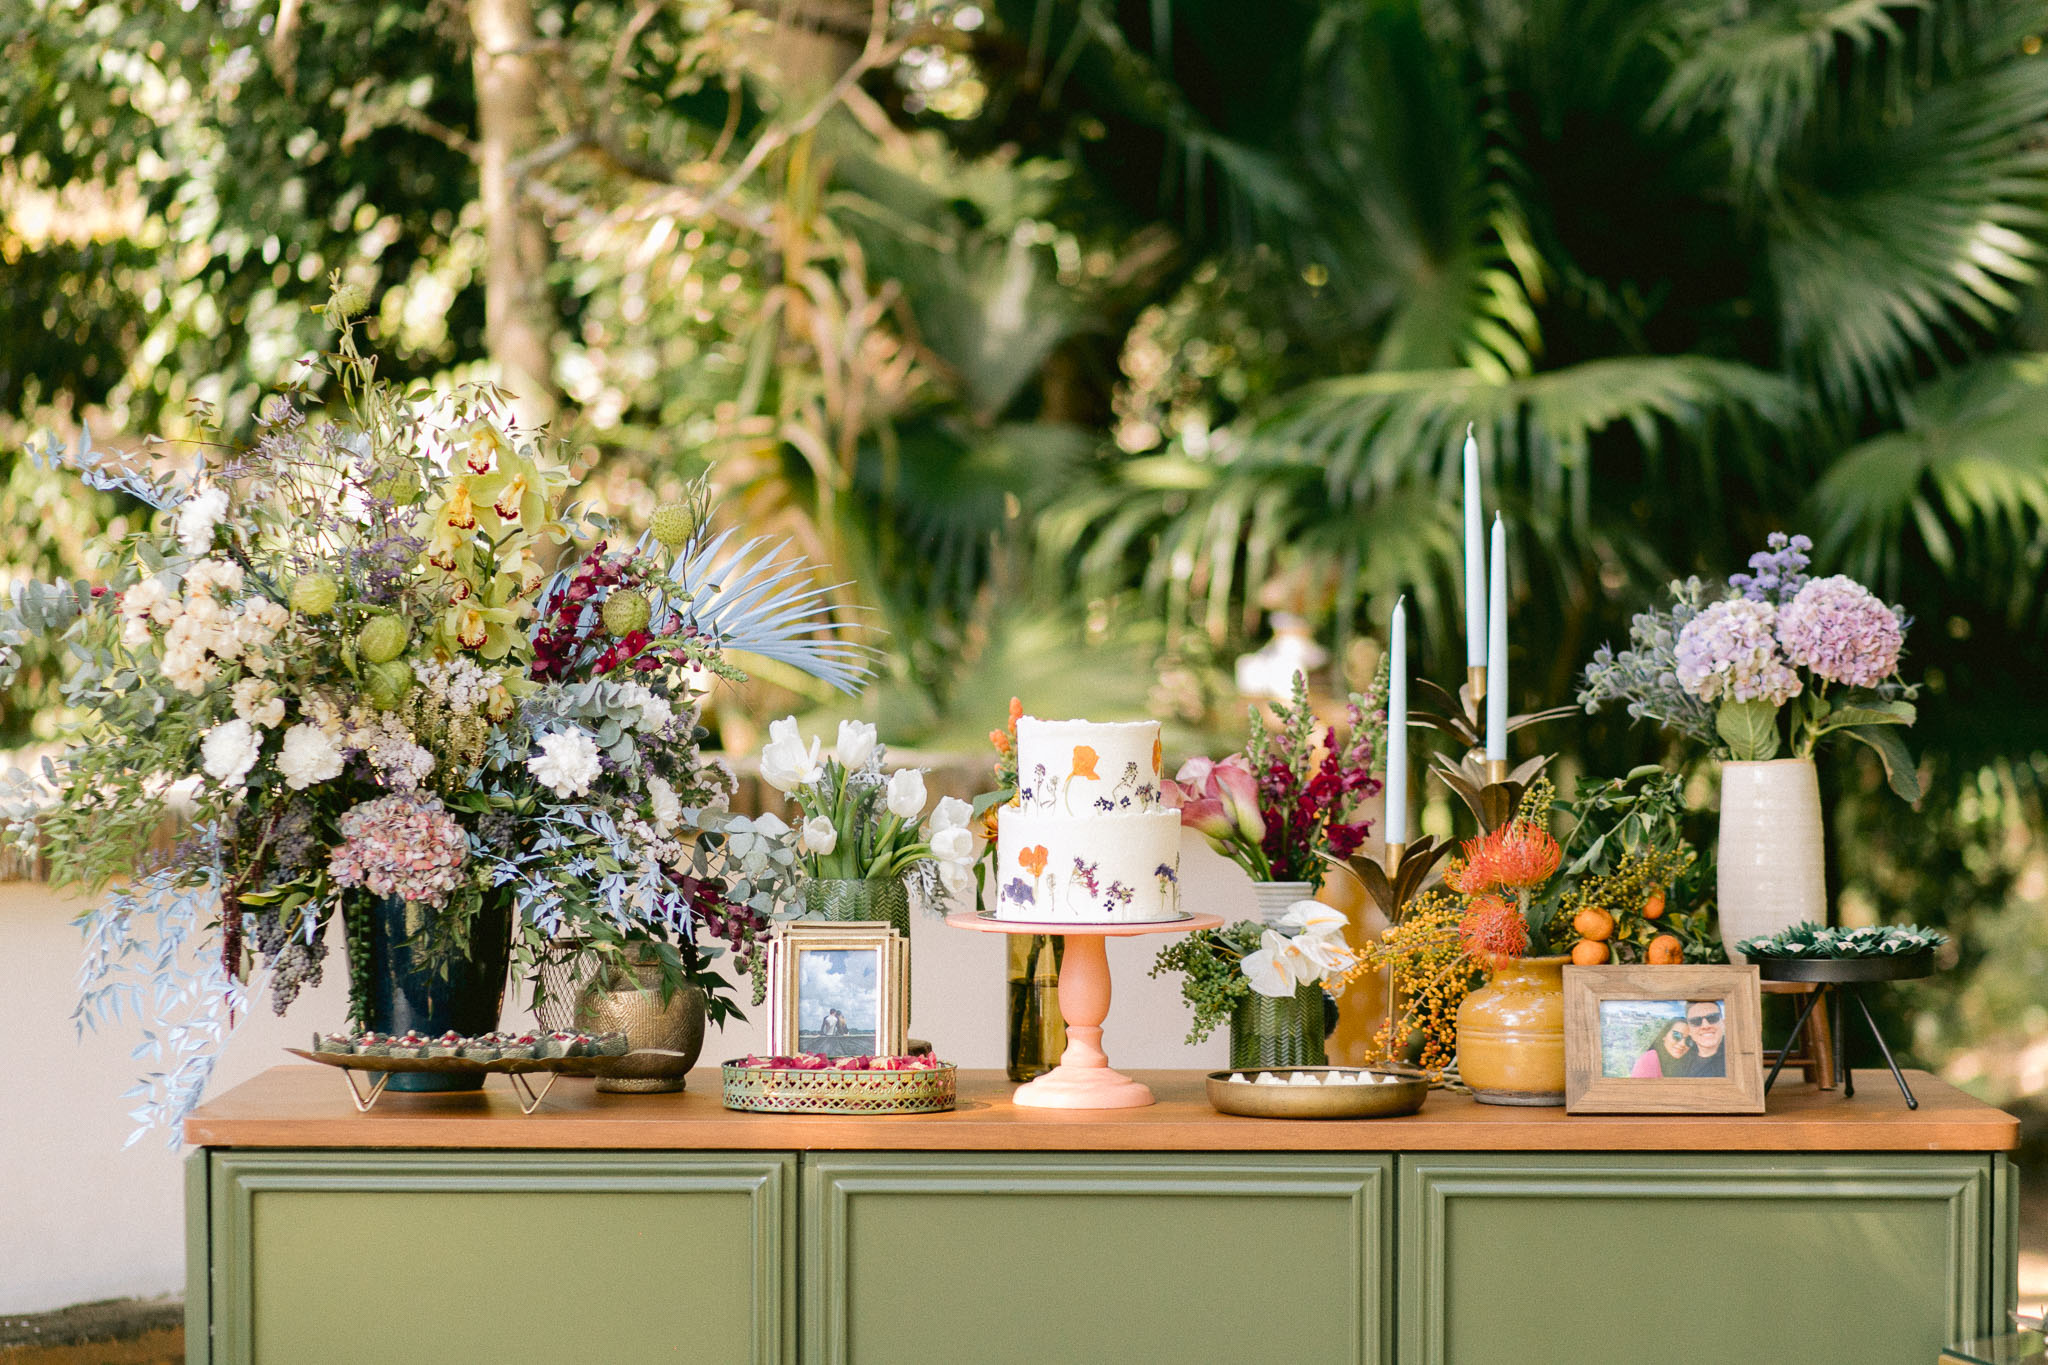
{"points": [[1088, 839]]}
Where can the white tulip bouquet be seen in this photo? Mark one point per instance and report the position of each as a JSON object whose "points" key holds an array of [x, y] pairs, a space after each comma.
{"points": [[857, 824]]}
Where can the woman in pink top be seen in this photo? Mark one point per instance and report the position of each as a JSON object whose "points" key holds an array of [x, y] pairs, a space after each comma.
{"points": [[1674, 1043]]}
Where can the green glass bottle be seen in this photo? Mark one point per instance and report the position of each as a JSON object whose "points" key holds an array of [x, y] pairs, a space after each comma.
{"points": [[1037, 1032]]}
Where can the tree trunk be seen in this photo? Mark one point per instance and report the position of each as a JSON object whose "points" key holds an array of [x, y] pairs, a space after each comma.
{"points": [[519, 315]]}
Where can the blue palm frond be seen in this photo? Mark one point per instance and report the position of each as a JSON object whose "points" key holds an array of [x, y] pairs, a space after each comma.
{"points": [[756, 601]]}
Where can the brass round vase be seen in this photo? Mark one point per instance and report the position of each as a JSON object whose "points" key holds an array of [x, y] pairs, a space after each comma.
{"points": [[629, 1002], [1511, 1034]]}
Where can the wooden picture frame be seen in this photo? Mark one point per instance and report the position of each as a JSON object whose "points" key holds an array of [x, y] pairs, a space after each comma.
{"points": [[1642, 1019], [858, 967]]}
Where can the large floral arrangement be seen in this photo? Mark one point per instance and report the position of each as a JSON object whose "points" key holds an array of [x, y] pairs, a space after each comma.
{"points": [[336, 663], [1773, 661], [1288, 803], [861, 824]]}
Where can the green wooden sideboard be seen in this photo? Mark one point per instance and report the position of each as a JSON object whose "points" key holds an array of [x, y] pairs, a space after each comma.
{"points": [[627, 1228]]}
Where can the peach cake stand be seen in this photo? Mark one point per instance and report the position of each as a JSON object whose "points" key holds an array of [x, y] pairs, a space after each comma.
{"points": [[1083, 1079]]}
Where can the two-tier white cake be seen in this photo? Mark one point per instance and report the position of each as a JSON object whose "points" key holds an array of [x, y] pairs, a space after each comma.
{"points": [[1088, 840]]}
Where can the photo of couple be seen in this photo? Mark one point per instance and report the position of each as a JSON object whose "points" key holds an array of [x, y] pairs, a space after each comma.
{"points": [[1650, 1039]]}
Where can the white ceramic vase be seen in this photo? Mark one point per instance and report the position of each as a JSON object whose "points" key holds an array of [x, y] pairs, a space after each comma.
{"points": [[1771, 863], [1273, 898]]}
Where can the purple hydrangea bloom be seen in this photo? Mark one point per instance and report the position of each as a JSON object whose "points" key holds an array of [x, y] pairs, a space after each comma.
{"points": [[1730, 652], [1840, 630], [1778, 572]]}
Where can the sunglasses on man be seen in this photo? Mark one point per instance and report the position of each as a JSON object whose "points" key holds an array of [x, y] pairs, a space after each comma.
{"points": [[1698, 1019]]}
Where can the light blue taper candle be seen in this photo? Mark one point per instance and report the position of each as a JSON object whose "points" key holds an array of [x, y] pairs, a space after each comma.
{"points": [[1475, 560], [1497, 648], [1397, 725]]}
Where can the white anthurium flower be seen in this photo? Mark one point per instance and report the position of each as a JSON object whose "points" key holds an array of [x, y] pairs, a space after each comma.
{"points": [[1313, 918], [857, 740], [1330, 955], [955, 845], [1278, 965], [819, 836], [951, 813], [906, 794], [786, 764]]}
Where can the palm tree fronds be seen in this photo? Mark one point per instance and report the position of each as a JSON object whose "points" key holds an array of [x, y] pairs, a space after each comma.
{"points": [[1967, 476]]}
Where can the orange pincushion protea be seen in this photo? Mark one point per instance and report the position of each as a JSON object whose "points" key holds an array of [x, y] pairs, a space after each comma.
{"points": [[1514, 857], [1492, 929]]}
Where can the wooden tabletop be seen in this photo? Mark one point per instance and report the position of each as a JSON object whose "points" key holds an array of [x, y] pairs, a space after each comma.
{"points": [[308, 1106]]}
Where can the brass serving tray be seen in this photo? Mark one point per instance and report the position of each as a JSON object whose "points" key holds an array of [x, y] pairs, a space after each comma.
{"points": [[794, 1090], [1344, 1100], [646, 1061]]}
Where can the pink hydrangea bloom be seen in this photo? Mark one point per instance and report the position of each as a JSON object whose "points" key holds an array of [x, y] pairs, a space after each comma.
{"points": [[1840, 630], [402, 845], [1730, 652]]}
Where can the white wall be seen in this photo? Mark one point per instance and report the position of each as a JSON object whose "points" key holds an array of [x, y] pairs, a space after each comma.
{"points": [[81, 1218]]}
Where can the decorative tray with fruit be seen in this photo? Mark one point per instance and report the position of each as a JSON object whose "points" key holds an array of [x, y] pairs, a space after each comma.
{"points": [[810, 1084], [513, 1055]]}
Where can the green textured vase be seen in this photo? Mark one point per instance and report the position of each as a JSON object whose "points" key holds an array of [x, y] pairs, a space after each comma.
{"points": [[849, 899], [1285, 1030], [858, 900]]}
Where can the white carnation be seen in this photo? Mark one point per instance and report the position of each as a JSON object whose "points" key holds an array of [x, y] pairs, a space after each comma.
{"points": [[310, 755], [198, 515], [229, 750], [567, 762], [668, 811]]}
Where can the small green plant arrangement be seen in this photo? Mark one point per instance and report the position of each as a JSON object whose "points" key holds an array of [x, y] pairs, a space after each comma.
{"points": [[1221, 968], [1818, 941]]}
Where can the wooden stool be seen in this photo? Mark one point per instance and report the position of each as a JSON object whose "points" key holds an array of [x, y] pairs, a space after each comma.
{"points": [[1812, 1049]]}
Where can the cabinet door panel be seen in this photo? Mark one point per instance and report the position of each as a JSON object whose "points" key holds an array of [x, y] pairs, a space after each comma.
{"points": [[400, 1257], [935, 1258], [1868, 1259]]}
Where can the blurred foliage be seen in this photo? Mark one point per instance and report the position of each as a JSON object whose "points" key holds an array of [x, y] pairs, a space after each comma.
{"points": [[1093, 329]]}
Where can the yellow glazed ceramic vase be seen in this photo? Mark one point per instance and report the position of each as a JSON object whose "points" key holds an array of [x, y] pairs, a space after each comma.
{"points": [[1511, 1034]]}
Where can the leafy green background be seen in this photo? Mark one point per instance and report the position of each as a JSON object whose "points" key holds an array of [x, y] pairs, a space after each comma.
{"points": [[1074, 322]]}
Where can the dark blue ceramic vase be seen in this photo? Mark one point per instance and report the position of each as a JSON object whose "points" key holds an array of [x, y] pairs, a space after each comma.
{"points": [[463, 990]]}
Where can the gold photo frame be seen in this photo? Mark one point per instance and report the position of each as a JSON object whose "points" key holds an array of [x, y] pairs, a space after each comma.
{"points": [[837, 989], [1663, 1040]]}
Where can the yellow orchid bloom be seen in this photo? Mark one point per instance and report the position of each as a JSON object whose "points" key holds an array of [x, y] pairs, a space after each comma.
{"points": [[460, 513]]}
